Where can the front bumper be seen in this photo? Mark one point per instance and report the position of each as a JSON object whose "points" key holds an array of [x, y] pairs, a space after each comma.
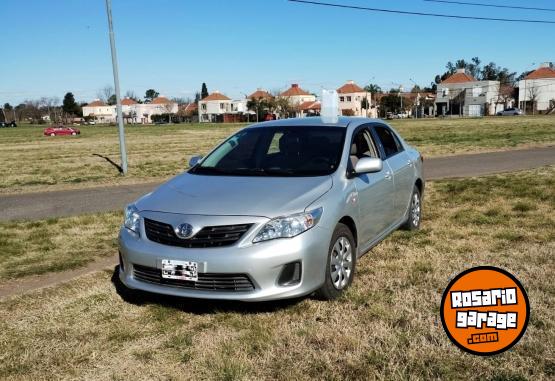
{"points": [[262, 263]]}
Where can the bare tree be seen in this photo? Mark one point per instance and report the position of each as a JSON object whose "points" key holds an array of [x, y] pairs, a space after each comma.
{"points": [[533, 94], [106, 93]]}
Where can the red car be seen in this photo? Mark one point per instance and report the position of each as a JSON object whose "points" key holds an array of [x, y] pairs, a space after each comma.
{"points": [[55, 131]]}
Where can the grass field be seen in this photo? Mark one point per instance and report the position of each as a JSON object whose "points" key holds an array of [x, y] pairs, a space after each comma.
{"points": [[31, 162], [386, 327]]}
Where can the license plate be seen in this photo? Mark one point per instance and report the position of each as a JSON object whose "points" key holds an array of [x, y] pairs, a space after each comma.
{"points": [[181, 270]]}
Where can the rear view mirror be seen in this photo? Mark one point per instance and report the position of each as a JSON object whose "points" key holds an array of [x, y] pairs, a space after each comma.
{"points": [[194, 161], [368, 165]]}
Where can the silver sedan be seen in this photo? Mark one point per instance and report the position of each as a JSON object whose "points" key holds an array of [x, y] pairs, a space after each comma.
{"points": [[281, 209]]}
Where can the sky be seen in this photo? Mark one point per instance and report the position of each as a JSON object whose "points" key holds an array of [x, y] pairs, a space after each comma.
{"points": [[52, 47]]}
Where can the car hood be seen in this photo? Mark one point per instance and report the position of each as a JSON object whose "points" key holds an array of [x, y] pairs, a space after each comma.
{"points": [[235, 196]]}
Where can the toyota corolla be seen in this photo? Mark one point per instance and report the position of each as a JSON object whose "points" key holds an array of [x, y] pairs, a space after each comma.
{"points": [[280, 209]]}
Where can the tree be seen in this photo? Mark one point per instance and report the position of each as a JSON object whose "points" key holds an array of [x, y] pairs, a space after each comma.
{"points": [[131, 95], [373, 88], [203, 91], [150, 94], [257, 105], [7, 108], [492, 72], [416, 89], [69, 106], [283, 106], [106, 94], [197, 97], [364, 104]]}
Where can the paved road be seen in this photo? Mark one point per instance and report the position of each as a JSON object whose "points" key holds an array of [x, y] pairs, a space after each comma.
{"points": [[75, 202]]}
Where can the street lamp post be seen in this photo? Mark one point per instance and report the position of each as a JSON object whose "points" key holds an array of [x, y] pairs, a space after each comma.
{"points": [[123, 152]]}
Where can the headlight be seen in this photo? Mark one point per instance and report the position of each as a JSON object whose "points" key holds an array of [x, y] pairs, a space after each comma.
{"points": [[287, 227], [132, 219]]}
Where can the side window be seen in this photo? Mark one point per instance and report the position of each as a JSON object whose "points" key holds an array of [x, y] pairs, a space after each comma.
{"points": [[388, 140], [362, 145]]}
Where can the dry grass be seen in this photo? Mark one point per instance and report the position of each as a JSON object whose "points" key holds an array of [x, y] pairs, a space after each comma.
{"points": [[386, 327], [31, 162], [56, 244]]}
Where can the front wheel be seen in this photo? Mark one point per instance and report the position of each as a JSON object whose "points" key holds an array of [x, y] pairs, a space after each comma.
{"points": [[340, 265], [415, 211]]}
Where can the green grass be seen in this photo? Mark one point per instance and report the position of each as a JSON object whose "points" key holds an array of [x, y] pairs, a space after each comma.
{"points": [[32, 162], [57, 244], [386, 327]]}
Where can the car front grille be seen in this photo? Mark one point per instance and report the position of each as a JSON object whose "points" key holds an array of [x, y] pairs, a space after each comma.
{"points": [[206, 281], [209, 236]]}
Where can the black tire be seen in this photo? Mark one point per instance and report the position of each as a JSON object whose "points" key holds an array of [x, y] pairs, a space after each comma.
{"points": [[413, 223], [329, 290]]}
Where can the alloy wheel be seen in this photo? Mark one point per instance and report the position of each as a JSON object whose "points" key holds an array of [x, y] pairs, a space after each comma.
{"points": [[415, 209], [341, 263]]}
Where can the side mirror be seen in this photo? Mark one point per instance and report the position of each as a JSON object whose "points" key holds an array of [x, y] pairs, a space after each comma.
{"points": [[368, 165], [194, 161]]}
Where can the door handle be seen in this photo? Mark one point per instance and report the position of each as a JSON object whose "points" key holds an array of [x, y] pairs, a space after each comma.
{"points": [[409, 162], [388, 175]]}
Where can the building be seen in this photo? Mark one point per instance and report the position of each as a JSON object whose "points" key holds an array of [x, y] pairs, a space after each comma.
{"points": [[297, 96], [352, 98], [536, 92], [310, 108], [461, 94], [212, 106], [132, 111], [100, 112], [260, 94]]}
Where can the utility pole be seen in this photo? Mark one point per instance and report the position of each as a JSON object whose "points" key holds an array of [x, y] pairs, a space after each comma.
{"points": [[122, 150]]}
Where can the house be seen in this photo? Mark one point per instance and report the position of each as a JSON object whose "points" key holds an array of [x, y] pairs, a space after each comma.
{"points": [[213, 107], [260, 94], [297, 96], [100, 111], [462, 94], [310, 108], [352, 98], [132, 111], [537, 90]]}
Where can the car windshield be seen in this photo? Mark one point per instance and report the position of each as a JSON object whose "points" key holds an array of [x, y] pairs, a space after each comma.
{"points": [[277, 151]]}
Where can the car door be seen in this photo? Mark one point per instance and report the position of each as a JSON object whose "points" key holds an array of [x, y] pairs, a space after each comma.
{"points": [[402, 168], [375, 190]]}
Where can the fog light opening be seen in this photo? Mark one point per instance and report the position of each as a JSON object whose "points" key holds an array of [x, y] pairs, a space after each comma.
{"points": [[121, 266], [290, 274]]}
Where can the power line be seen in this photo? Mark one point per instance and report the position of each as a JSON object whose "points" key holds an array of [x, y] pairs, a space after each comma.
{"points": [[491, 5], [421, 13]]}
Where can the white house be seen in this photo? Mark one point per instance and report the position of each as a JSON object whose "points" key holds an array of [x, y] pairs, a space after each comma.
{"points": [[351, 98], [296, 95], [100, 111], [132, 111], [215, 104], [461, 94], [538, 89]]}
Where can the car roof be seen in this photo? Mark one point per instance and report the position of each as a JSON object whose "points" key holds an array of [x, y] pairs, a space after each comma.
{"points": [[342, 121]]}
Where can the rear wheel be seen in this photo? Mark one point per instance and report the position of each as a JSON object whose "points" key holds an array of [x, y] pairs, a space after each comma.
{"points": [[74, 133], [415, 211], [340, 265]]}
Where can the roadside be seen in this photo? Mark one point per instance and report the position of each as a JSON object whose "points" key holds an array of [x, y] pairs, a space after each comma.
{"points": [[31, 162], [102, 199]]}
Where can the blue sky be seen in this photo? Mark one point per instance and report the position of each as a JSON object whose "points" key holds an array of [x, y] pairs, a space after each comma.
{"points": [[51, 47]]}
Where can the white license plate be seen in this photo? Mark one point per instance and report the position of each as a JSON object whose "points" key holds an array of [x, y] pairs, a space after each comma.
{"points": [[181, 270]]}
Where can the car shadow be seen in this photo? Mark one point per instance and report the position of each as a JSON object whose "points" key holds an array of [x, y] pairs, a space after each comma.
{"points": [[197, 306]]}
